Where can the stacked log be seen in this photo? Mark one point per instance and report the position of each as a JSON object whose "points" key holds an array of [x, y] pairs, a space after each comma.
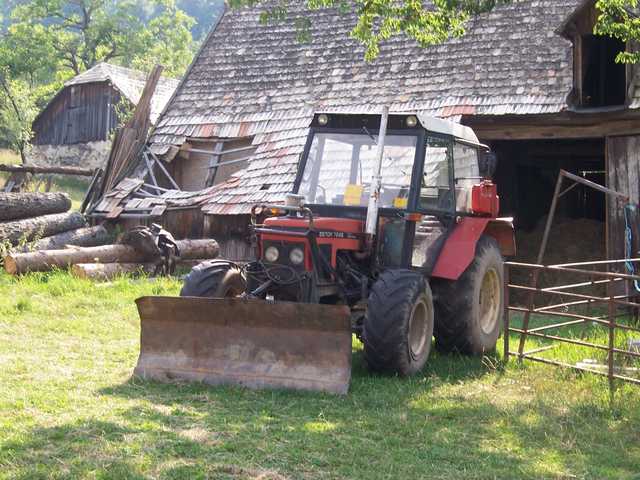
{"points": [[14, 206], [42, 234], [44, 260], [82, 237], [29, 229], [108, 271]]}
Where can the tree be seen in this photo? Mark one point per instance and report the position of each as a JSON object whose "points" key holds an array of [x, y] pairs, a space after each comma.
{"points": [[617, 18], [49, 41], [27, 80], [86, 32]]}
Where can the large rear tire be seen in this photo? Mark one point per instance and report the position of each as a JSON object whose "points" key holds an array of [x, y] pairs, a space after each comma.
{"points": [[215, 279], [468, 312], [398, 326]]}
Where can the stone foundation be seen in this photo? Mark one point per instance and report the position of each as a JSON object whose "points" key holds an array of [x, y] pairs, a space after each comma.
{"points": [[84, 155]]}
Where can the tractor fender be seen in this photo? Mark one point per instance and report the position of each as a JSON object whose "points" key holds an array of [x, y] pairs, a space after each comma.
{"points": [[460, 246]]}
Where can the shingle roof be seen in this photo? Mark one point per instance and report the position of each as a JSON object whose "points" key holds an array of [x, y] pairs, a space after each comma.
{"points": [[254, 79], [129, 83]]}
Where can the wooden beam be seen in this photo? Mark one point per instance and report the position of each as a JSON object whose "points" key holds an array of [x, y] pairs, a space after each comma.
{"points": [[488, 132], [36, 170]]}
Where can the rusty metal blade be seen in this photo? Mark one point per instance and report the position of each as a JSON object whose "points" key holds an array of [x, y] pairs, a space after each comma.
{"points": [[251, 343]]}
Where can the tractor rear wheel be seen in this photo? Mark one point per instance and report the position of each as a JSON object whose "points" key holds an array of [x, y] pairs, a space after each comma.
{"points": [[215, 279], [398, 326], [469, 311]]}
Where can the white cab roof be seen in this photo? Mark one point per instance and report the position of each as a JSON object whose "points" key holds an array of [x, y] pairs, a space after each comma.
{"points": [[438, 125]]}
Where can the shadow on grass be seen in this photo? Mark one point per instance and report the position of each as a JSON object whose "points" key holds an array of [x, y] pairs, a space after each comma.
{"points": [[68, 451], [450, 422]]}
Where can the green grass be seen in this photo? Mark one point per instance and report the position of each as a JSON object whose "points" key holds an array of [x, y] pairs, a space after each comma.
{"points": [[75, 187], [70, 409], [8, 157]]}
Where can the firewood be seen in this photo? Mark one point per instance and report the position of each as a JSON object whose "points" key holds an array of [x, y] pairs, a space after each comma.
{"points": [[82, 237], [45, 260], [37, 227], [108, 271], [15, 206]]}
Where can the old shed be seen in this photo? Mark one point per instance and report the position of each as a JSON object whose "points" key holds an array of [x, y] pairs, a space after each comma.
{"points": [[75, 127]]}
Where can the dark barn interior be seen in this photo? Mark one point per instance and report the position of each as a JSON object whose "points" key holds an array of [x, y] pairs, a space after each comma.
{"points": [[526, 177]]}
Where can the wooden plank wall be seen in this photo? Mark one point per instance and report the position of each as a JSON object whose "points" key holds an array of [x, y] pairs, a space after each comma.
{"points": [[623, 175], [78, 114]]}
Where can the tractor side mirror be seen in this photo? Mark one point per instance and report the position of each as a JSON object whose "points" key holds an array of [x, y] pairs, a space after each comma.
{"points": [[487, 164]]}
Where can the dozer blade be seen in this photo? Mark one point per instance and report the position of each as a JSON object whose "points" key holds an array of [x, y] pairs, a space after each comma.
{"points": [[251, 343]]}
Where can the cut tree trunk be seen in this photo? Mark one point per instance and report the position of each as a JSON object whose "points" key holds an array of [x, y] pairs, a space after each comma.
{"points": [[34, 169], [44, 260], [29, 229], [82, 237], [108, 271], [14, 206]]}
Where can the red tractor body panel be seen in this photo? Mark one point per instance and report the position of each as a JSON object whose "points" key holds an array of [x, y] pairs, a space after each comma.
{"points": [[460, 248], [339, 233]]}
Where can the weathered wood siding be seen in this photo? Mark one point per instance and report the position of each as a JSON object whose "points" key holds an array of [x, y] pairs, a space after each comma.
{"points": [[623, 175], [78, 114]]}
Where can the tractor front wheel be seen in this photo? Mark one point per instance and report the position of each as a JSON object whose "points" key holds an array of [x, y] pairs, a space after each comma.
{"points": [[469, 310], [214, 279], [398, 326]]}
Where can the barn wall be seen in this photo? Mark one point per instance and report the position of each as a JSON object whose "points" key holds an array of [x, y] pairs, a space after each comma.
{"points": [[623, 175], [79, 114], [232, 234]]}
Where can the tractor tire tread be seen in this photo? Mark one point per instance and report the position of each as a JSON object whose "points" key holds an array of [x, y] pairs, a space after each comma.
{"points": [[453, 300], [390, 302], [207, 277]]}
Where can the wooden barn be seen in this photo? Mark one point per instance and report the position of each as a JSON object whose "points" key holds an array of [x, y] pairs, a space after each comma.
{"points": [[529, 77], [76, 126]]}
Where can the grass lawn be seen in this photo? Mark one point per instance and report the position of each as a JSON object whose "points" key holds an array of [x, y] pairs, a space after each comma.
{"points": [[70, 409], [74, 186]]}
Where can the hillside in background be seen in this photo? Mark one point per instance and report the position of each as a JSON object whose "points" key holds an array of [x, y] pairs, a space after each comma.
{"points": [[205, 12]]}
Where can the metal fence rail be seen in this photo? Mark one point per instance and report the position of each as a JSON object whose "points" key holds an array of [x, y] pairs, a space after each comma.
{"points": [[591, 276]]}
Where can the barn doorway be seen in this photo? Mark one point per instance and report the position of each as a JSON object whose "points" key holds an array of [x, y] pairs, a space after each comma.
{"points": [[526, 176]]}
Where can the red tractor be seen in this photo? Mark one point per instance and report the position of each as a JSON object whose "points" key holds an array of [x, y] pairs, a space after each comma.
{"points": [[391, 234]]}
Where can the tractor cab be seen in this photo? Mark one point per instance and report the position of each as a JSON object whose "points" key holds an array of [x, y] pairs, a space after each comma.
{"points": [[429, 165]]}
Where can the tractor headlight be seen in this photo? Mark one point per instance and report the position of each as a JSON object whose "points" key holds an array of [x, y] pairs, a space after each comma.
{"points": [[296, 256], [271, 254]]}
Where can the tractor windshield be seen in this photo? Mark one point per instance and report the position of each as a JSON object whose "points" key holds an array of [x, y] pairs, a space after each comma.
{"points": [[340, 165]]}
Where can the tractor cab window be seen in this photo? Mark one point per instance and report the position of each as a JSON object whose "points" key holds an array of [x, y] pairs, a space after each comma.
{"points": [[435, 190], [339, 168], [466, 174]]}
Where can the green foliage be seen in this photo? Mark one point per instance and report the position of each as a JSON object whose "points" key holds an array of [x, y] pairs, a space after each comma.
{"points": [[27, 80], [50, 41], [617, 19], [86, 32]]}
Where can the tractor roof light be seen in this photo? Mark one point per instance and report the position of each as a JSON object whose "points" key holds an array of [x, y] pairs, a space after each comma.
{"points": [[411, 121], [323, 119]]}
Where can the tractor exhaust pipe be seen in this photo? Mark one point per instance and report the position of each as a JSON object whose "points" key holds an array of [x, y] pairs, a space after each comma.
{"points": [[376, 183]]}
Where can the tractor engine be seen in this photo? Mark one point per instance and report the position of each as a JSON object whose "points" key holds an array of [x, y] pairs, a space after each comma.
{"points": [[316, 260]]}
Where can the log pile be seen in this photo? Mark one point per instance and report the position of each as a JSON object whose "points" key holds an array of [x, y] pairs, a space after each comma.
{"points": [[33, 221], [38, 233], [105, 261]]}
